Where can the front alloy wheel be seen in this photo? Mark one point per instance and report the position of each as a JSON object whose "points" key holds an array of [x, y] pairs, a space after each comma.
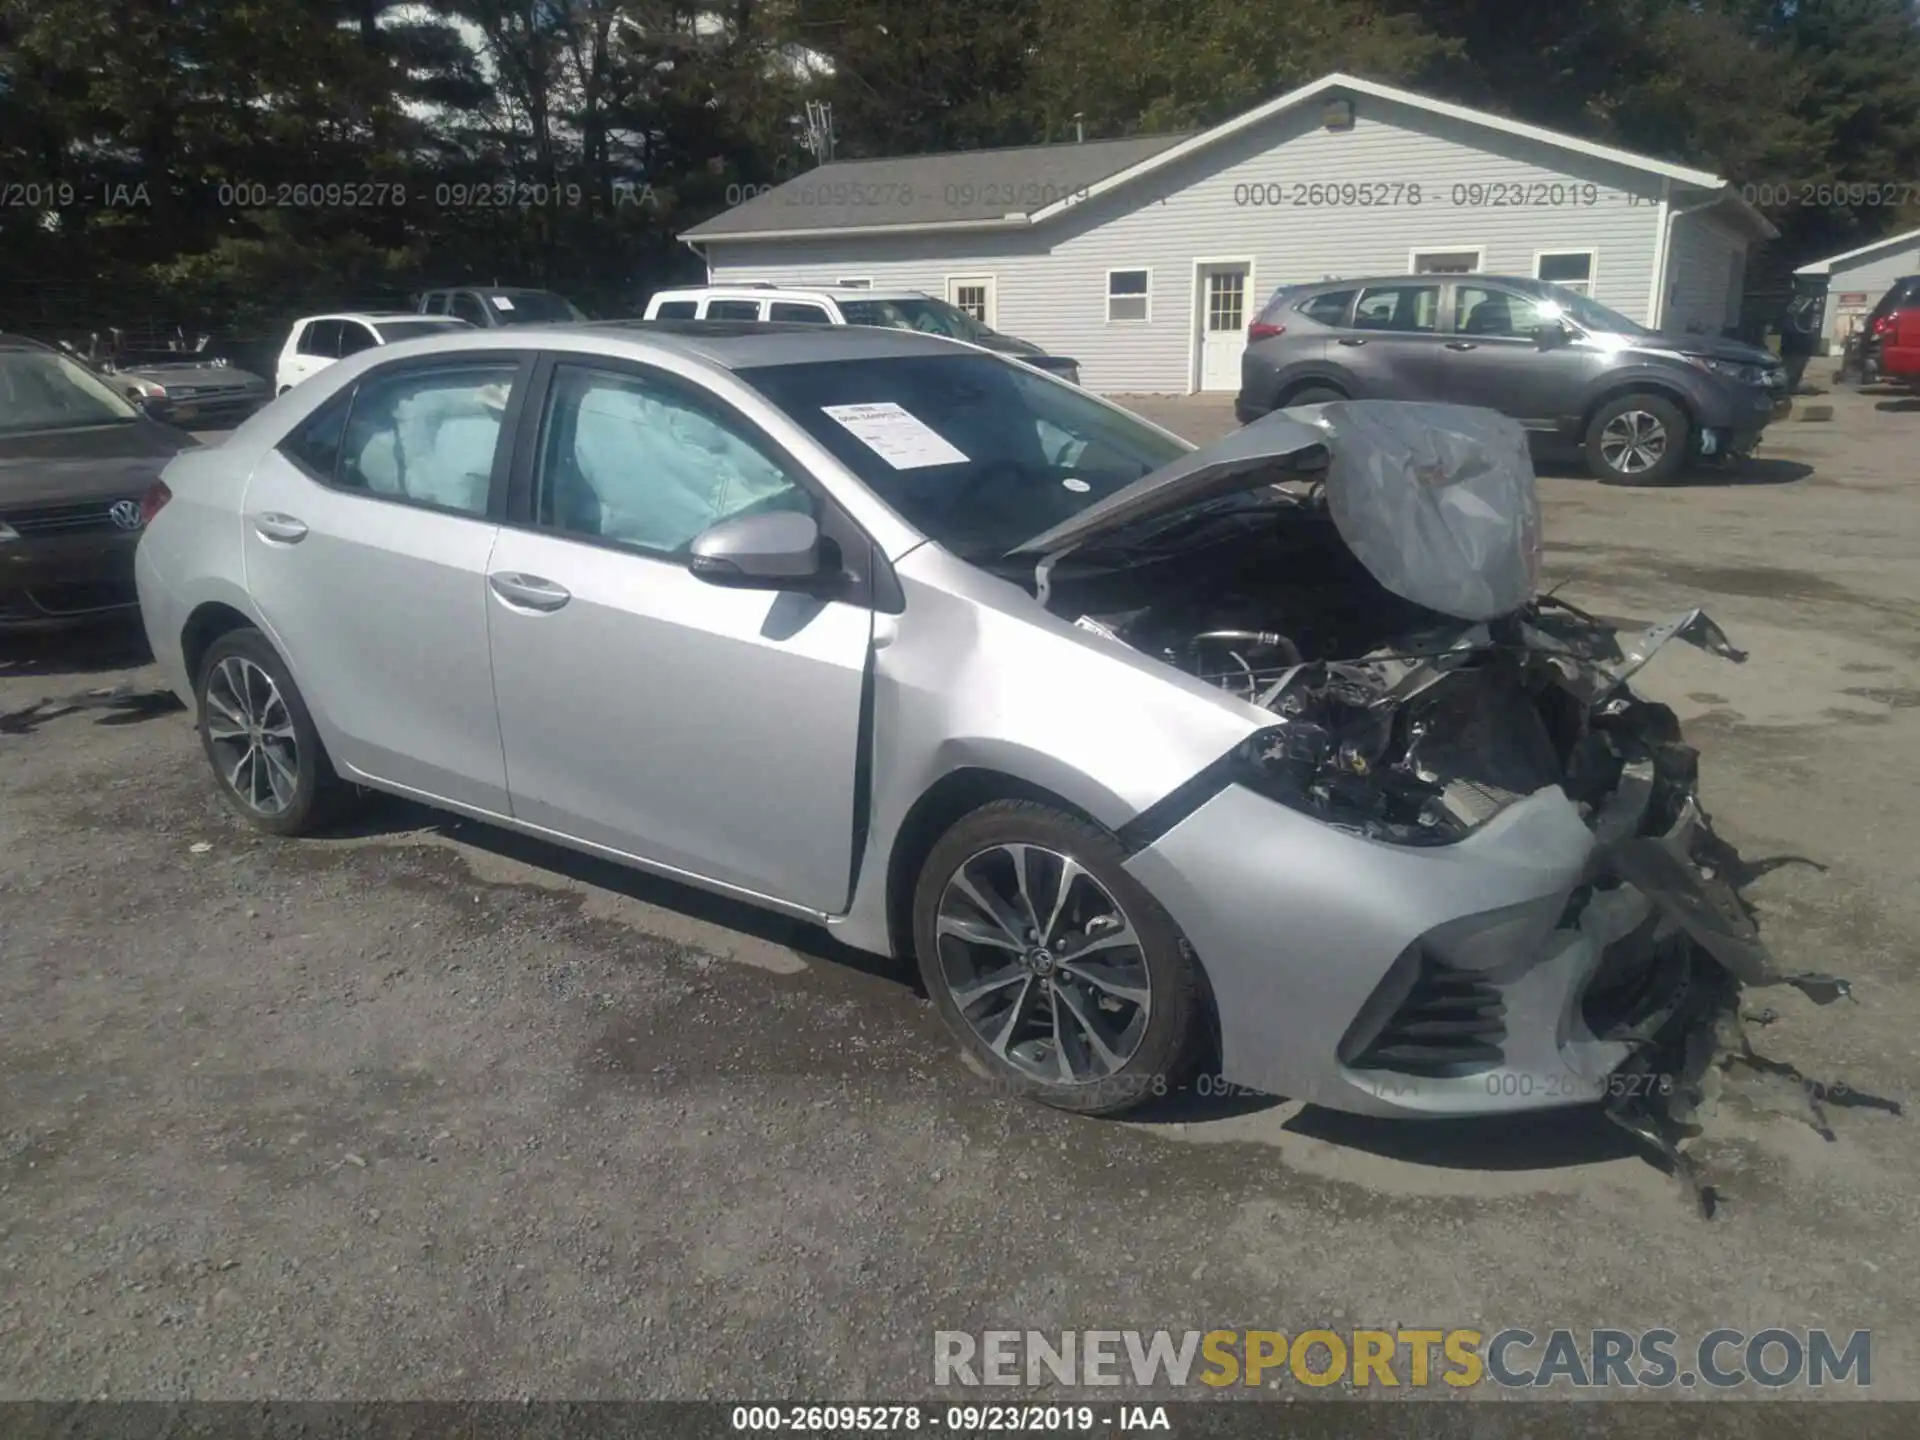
{"points": [[1633, 442], [1637, 440], [1050, 964], [1043, 964]]}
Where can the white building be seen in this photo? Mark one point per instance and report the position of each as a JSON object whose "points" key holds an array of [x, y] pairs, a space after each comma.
{"points": [[1857, 279], [1145, 258]]}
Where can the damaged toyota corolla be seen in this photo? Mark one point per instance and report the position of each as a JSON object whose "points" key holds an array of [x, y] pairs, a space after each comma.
{"points": [[1269, 752]]}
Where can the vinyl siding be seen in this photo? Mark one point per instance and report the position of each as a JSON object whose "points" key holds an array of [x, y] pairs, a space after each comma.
{"points": [[1706, 262], [1874, 274], [1051, 280]]}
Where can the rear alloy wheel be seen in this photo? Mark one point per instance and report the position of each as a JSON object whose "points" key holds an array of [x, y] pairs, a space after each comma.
{"points": [[1637, 440], [261, 741], [1050, 964]]}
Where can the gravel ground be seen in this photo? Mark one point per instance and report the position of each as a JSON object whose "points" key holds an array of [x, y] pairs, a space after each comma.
{"points": [[426, 1110]]}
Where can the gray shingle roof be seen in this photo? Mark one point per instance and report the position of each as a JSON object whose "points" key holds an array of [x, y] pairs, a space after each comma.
{"points": [[956, 187]]}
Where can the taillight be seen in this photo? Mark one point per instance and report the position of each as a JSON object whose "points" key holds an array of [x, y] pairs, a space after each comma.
{"points": [[1264, 330], [1883, 327], [157, 495]]}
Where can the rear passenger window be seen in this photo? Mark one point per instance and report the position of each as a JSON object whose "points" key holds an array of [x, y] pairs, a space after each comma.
{"points": [[677, 310], [789, 310], [1328, 309], [1411, 308], [733, 310], [427, 437]]}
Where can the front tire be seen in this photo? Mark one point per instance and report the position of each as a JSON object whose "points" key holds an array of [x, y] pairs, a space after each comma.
{"points": [[260, 739], [1055, 970], [1637, 440]]}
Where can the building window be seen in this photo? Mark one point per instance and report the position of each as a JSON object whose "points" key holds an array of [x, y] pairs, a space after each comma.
{"points": [[1571, 268], [1445, 262], [974, 295], [1128, 294], [856, 284]]}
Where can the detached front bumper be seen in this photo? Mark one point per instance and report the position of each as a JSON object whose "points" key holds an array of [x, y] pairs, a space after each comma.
{"points": [[1510, 971]]}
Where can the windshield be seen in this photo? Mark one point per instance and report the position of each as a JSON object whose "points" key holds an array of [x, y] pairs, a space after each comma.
{"points": [[1591, 314], [530, 307], [39, 391], [922, 313], [977, 453], [394, 331]]}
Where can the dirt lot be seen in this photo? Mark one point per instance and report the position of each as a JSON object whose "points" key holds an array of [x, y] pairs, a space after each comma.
{"points": [[427, 1110]]}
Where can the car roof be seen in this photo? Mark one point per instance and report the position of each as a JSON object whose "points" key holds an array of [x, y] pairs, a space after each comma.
{"points": [[490, 289], [374, 317], [728, 344], [746, 289], [1351, 282], [20, 342]]}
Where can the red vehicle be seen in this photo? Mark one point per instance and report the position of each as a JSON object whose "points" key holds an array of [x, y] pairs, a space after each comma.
{"points": [[1893, 334]]}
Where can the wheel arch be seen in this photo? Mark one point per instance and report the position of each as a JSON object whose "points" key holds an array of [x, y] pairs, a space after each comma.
{"points": [[1641, 385], [939, 808], [207, 622]]}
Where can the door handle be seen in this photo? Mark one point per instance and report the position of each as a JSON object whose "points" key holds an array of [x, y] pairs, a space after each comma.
{"points": [[1351, 340], [529, 592], [272, 525], [1462, 345]]}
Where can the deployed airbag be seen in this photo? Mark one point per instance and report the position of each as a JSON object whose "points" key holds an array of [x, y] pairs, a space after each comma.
{"points": [[1438, 501]]}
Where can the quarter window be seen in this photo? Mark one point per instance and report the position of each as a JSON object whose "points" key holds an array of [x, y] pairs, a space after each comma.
{"points": [[1414, 309], [733, 310], [676, 310], [1128, 294], [315, 445], [1571, 268], [648, 464], [428, 437]]}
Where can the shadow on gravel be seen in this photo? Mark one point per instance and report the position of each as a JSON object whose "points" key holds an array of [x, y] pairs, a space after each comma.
{"points": [[385, 815], [1905, 404], [118, 645], [1757, 471], [1543, 1140]]}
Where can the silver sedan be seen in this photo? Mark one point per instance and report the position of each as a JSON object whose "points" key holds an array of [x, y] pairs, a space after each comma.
{"points": [[1261, 762]]}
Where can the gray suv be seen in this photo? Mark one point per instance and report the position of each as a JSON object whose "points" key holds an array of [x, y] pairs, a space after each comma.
{"points": [[1585, 381]]}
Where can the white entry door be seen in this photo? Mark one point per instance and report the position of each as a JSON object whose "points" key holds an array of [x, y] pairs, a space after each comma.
{"points": [[1223, 325], [973, 294]]}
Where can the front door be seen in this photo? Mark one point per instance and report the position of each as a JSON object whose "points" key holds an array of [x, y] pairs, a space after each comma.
{"points": [[1494, 358], [1223, 325], [366, 538], [711, 731]]}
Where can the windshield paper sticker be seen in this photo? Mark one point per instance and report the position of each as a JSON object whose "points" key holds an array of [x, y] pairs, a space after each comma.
{"points": [[903, 440], [501, 302]]}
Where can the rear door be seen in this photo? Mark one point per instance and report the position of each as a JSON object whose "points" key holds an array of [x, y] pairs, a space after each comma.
{"points": [[1493, 358], [1391, 347], [318, 346], [366, 539], [712, 732]]}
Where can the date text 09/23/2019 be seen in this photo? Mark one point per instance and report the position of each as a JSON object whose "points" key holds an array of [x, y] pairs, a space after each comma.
{"points": [[1460, 195]]}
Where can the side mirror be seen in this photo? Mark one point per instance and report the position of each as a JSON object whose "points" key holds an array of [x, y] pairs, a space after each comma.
{"points": [[1552, 335], [777, 550]]}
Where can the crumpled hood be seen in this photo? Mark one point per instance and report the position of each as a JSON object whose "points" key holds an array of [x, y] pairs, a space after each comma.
{"points": [[1437, 501]]}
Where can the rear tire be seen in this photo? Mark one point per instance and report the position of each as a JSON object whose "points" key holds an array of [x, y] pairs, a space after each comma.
{"points": [[1313, 395], [1056, 971], [1637, 440], [260, 739]]}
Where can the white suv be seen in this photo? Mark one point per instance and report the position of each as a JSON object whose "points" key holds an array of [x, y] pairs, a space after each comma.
{"points": [[317, 341], [850, 305]]}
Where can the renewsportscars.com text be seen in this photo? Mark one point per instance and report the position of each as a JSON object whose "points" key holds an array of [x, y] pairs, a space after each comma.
{"points": [[1512, 1358]]}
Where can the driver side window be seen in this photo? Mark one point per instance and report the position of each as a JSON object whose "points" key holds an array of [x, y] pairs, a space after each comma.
{"points": [[648, 464]]}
